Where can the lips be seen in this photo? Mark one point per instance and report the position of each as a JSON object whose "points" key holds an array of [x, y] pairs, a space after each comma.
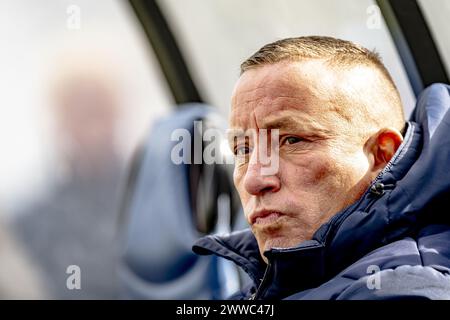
{"points": [[264, 217]]}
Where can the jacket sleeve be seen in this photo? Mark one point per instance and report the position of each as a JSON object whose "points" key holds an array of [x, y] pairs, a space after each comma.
{"points": [[404, 282]]}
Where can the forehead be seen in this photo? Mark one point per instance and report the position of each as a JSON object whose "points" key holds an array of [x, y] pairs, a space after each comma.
{"points": [[300, 89]]}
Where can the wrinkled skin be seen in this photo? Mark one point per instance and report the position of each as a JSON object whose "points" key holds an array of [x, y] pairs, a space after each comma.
{"points": [[323, 166]]}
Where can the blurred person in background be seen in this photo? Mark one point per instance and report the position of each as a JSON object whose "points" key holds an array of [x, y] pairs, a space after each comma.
{"points": [[75, 224]]}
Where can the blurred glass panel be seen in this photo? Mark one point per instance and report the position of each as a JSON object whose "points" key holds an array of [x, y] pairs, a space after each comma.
{"points": [[80, 88], [437, 13], [217, 36]]}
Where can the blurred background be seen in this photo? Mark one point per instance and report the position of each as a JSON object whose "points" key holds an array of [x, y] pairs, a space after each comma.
{"points": [[90, 94]]}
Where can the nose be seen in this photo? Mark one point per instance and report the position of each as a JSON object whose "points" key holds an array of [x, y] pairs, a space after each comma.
{"points": [[256, 182]]}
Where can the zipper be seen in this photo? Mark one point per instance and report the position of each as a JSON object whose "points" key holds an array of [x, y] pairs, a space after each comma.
{"points": [[376, 188], [379, 188], [261, 286]]}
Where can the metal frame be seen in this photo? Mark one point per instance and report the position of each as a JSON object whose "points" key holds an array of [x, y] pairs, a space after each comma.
{"points": [[414, 43], [167, 52]]}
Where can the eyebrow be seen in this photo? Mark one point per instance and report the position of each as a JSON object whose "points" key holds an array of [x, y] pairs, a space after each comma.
{"points": [[235, 133], [289, 123], [285, 123]]}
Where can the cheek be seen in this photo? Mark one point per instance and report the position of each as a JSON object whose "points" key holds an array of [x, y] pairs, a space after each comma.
{"points": [[318, 180], [306, 171], [338, 178], [322, 170]]}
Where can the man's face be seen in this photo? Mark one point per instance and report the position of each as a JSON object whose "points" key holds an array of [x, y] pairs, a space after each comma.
{"points": [[322, 167]]}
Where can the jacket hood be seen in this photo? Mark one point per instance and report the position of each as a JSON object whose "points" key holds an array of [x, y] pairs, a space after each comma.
{"points": [[407, 195]]}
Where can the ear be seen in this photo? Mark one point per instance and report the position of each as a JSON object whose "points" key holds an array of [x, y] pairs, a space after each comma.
{"points": [[383, 145]]}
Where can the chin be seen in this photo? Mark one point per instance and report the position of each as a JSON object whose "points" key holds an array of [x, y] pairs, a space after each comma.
{"points": [[280, 242], [276, 242]]}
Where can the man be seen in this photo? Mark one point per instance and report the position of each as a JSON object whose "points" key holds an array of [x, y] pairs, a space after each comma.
{"points": [[353, 210]]}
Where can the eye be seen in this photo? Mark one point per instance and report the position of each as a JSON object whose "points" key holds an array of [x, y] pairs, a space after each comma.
{"points": [[290, 140], [242, 150]]}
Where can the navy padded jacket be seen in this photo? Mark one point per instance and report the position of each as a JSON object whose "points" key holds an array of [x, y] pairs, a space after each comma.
{"points": [[393, 243]]}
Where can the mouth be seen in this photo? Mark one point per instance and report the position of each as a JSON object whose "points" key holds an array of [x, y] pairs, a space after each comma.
{"points": [[264, 217]]}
